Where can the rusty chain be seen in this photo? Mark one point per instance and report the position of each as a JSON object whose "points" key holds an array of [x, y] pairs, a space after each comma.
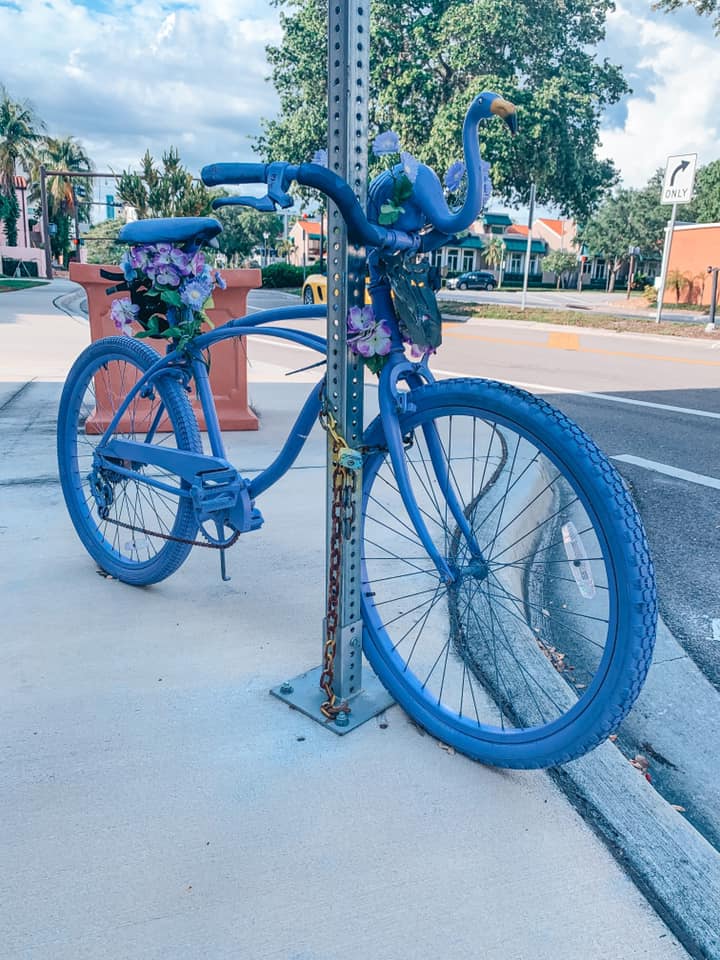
{"points": [[342, 517]]}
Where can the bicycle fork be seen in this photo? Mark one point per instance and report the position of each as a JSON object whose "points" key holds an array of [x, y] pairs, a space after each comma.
{"points": [[392, 402]]}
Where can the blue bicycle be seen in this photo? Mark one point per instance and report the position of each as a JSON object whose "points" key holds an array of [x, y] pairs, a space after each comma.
{"points": [[508, 596]]}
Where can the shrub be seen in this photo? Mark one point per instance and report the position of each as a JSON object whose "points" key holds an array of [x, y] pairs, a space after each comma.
{"points": [[283, 275], [650, 293]]}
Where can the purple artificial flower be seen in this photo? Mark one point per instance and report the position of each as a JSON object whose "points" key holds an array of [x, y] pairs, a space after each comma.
{"points": [[320, 157], [220, 281], [360, 320], [166, 275], [197, 264], [163, 249], [195, 292], [377, 342], [410, 166], [140, 256], [123, 312], [385, 143], [127, 267], [453, 178], [180, 260]]}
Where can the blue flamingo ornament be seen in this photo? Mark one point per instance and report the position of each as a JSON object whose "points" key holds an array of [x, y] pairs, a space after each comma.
{"points": [[426, 204]]}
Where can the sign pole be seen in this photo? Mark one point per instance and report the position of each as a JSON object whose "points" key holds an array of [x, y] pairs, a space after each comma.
{"points": [[358, 689], [665, 259], [529, 246]]}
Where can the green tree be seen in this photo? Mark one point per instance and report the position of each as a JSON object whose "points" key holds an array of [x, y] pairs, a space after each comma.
{"points": [[20, 131], [167, 192], [562, 264], [705, 207], [244, 229], [494, 254], [102, 243], [704, 8], [629, 218], [428, 59], [64, 194]]}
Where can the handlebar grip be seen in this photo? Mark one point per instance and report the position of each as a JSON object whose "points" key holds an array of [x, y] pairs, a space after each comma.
{"points": [[218, 173]]}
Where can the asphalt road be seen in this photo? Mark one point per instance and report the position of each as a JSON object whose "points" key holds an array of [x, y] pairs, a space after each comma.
{"points": [[626, 391]]}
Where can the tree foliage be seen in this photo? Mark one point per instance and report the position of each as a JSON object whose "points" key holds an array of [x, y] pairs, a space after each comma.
{"points": [[167, 192], [20, 132], [244, 229], [428, 60], [102, 244], [64, 194], [704, 8], [705, 207], [561, 263], [629, 218]]}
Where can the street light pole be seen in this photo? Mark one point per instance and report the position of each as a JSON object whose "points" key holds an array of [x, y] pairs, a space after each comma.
{"points": [[45, 222]]}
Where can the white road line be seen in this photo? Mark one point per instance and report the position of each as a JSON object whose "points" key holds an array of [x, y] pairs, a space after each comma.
{"points": [[716, 630], [546, 388], [669, 471]]}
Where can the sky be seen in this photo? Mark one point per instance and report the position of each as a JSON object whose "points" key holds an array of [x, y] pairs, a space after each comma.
{"points": [[123, 76]]}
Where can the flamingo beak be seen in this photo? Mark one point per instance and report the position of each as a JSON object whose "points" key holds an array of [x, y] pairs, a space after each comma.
{"points": [[506, 111]]}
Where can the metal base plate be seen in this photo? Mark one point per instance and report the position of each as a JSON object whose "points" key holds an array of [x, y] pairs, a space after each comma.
{"points": [[306, 696]]}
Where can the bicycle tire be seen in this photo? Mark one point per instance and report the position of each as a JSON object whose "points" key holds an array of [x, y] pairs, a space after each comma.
{"points": [[499, 630], [96, 385]]}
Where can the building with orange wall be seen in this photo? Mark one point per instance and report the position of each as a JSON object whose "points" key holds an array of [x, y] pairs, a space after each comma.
{"points": [[694, 248]]}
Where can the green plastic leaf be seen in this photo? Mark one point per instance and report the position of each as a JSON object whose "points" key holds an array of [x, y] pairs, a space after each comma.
{"points": [[172, 297], [403, 189]]}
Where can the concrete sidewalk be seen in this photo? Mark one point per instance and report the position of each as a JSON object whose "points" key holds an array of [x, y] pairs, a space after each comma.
{"points": [[158, 803]]}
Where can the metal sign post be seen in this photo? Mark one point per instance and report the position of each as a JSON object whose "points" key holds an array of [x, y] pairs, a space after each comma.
{"points": [[361, 693], [677, 188], [528, 248]]}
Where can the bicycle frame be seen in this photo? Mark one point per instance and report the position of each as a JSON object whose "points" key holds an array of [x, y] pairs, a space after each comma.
{"points": [[192, 468]]}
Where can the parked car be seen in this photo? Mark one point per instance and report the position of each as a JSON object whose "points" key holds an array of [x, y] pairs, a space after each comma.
{"points": [[315, 289], [474, 280]]}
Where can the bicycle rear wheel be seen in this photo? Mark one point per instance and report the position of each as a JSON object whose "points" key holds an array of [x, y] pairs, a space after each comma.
{"points": [[125, 523], [539, 648]]}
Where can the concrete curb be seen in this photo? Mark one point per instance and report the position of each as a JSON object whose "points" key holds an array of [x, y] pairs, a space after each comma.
{"points": [[74, 304], [667, 857], [673, 865]]}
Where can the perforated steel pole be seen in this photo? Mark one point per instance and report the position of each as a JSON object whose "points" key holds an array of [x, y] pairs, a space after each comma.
{"points": [[348, 73], [348, 78]]}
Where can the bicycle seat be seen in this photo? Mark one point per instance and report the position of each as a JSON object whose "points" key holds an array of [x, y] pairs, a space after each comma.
{"points": [[171, 230]]}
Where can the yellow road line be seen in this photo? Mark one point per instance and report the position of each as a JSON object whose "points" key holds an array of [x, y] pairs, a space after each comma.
{"points": [[571, 341]]}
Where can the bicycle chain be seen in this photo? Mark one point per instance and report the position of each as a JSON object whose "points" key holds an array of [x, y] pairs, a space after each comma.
{"points": [[169, 536], [341, 522]]}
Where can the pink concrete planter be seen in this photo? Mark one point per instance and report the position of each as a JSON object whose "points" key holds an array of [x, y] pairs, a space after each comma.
{"points": [[228, 370]]}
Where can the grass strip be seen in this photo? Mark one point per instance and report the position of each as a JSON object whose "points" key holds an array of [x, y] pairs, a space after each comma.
{"points": [[578, 318]]}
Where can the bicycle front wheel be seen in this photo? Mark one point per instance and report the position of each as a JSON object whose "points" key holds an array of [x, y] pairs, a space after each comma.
{"points": [[538, 649], [133, 530]]}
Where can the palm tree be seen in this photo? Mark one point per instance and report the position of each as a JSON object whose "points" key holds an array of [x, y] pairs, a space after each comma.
{"points": [[19, 135], [65, 153], [495, 255]]}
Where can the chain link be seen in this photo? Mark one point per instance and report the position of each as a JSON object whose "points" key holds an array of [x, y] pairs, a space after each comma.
{"points": [[169, 536], [341, 521]]}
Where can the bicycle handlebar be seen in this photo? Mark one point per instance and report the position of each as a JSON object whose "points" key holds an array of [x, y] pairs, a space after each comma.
{"points": [[278, 177], [216, 174]]}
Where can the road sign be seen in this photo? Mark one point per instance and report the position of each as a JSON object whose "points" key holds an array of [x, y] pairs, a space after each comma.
{"points": [[679, 179]]}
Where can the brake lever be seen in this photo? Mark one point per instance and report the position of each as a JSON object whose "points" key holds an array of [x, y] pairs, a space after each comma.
{"points": [[263, 204]]}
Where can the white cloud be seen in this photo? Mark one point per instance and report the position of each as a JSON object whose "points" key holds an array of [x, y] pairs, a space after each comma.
{"points": [[126, 75], [676, 110], [136, 74]]}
